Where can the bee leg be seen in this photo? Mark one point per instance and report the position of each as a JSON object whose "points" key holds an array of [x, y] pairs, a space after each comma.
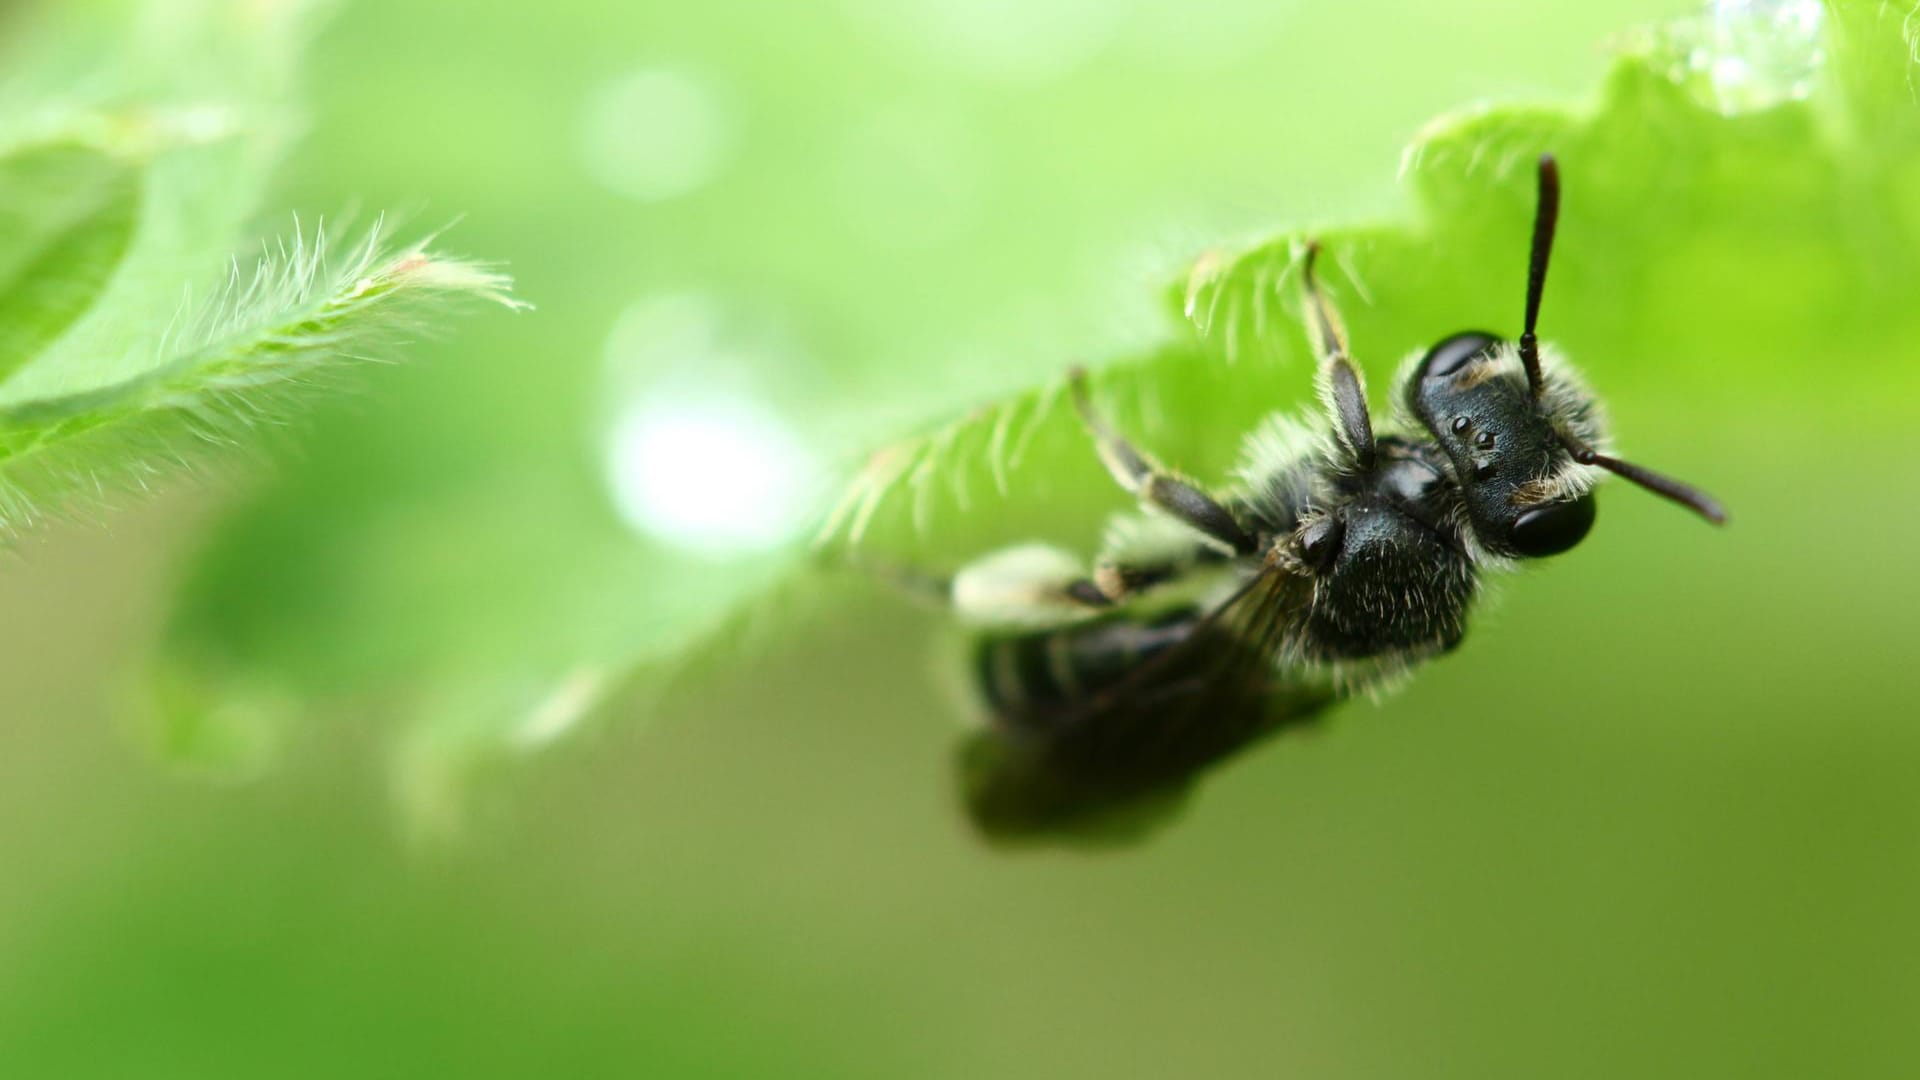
{"points": [[1155, 486], [1115, 580], [1341, 387], [929, 588], [1032, 585]]}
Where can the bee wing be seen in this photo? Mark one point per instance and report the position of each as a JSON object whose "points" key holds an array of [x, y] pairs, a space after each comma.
{"points": [[1111, 763], [1204, 697]]}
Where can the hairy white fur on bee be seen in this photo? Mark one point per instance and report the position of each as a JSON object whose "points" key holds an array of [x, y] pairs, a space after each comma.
{"points": [[1148, 540], [1574, 407], [1144, 541], [1375, 678], [1022, 587], [1283, 465], [1578, 414]]}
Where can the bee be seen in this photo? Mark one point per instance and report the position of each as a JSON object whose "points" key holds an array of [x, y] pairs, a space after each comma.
{"points": [[1344, 558]]}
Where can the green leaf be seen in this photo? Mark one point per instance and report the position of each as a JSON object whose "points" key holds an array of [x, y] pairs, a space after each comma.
{"points": [[1716, 236], [228, 369], [125, 191], [67, 216]]}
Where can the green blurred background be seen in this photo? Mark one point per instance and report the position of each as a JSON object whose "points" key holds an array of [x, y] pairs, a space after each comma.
{"points": [[1657, 819]]}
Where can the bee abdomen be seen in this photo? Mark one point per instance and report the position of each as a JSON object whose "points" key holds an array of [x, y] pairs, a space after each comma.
{"points": [[1099, 729], [1032, 682]]}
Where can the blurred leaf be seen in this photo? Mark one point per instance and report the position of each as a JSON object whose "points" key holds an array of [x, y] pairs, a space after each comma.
{"points": [[67, 214], [1717, 229], [124, 189], [227, 370]]}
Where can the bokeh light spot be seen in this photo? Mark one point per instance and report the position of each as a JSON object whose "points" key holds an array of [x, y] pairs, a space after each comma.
{"points": [[719, 474], [1746, 55]]}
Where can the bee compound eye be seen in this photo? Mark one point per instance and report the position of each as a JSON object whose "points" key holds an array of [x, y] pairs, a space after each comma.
{"points": [[1453, 353], [1320, 543], [1553, 528]]}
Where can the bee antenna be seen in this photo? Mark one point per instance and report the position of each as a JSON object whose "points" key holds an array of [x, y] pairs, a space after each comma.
{"points": [[1665, 486], [1546, 215]]}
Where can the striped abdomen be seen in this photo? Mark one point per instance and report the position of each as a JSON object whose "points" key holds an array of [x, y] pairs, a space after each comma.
{"points": [[1043, 682], [1095, 723]]}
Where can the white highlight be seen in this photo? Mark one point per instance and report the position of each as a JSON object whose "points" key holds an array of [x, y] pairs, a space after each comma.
{"points": [[655, 134], [715, 474], [1746, 55]]}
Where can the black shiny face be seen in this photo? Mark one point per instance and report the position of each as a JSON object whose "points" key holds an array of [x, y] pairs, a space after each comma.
{"points": [[1499, 442], [1373, 555], [1388, 544]]}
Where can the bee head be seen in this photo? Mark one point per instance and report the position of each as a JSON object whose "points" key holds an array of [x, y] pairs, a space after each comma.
{"points": [[1523, 491], [1521, 430]]}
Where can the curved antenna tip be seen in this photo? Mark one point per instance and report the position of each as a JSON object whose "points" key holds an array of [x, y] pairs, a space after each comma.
{"points": [[1666, 487]]}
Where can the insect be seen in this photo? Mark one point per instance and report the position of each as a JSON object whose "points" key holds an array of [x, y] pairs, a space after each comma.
{"points": [[1345, 557]]}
